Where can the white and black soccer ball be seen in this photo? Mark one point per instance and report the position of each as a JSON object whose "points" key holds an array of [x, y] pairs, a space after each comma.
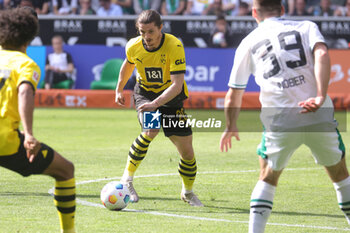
{"points": [[115, 195]]}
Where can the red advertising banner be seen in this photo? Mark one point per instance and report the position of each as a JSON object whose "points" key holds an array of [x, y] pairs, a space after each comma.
{"points": [[80, 99], [196, 100], [340, 72], [105, 99]]}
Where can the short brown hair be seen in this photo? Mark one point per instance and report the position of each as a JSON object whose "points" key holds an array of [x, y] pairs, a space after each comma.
{"points": [[149, 16], [18, 27], [268, 6]]}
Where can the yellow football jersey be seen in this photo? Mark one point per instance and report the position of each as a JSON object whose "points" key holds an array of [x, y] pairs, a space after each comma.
{"points": [[15, 68], [155, 67]]}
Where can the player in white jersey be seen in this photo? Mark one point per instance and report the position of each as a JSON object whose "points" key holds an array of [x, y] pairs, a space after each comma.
{"points": [[291, 64]]}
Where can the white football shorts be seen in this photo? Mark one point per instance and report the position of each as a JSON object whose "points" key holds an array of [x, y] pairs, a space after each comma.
{"points": [[326, 146]]}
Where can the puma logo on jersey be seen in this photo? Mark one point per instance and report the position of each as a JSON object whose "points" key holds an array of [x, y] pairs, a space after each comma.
{"points": [[139, 60], [44, 152]]}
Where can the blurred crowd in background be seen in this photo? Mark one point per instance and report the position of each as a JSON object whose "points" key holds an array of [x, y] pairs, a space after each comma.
{"points": [[104, 8]]}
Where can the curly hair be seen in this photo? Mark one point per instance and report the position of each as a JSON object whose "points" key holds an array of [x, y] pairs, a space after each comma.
{"points": [[18, 27]]}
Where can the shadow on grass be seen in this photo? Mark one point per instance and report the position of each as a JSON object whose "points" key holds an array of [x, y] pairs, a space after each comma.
{"points": [[231, 210], [211, 208], [289, 213], [97, 196], [307, 214], [207, 208], [24, 194], [172, 199]]}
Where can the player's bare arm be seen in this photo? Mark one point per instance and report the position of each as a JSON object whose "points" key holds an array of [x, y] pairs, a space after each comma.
{"points": [[322, 74], [233, 102], [170, 93], [26, 109], [124, 75]]}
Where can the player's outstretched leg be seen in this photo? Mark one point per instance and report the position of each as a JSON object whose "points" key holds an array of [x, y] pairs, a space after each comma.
{"points": [[64, 195], [137, 153], [341, 181], [187, 168]]}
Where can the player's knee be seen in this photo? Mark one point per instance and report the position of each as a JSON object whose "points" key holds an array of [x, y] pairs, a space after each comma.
{"points": [[152, 133], [338, 172], [339, 175], [64, 172], [187, 153], [269, 176], [69, 170]]}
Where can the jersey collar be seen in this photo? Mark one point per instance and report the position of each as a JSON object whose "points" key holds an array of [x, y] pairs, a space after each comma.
{"points": [[276, 18]]}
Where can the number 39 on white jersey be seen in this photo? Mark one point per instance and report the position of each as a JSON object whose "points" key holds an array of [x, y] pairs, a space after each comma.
{"points": [[279, 54]]}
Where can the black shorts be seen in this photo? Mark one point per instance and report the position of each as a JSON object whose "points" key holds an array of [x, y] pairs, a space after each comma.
{"points": [[173, 108], [53, 77], [19, 162]]}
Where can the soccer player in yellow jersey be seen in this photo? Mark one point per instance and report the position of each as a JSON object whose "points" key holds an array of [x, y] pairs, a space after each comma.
{"points": [[21, 152], [161, 66]]}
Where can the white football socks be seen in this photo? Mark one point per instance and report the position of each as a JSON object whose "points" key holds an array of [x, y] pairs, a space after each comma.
{"points": [[260, 206], [342, 189]]}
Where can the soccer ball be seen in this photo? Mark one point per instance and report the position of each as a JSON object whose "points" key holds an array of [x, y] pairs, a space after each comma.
{"points": [[115, 195]]}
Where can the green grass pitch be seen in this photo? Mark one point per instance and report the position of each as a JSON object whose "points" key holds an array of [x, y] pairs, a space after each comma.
{"points": [[97, 141]]}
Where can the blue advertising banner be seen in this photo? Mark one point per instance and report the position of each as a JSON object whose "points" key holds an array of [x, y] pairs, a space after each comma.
{"points": [[207, 69], [38, 54], [88, 60]]}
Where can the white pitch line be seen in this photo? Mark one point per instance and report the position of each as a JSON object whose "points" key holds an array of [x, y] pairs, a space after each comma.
{"points": [[87, 203]]}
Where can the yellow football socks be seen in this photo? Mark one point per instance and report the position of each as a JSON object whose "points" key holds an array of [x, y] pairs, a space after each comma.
{"points": [[64, 199], [137, 153], [188, 171]]}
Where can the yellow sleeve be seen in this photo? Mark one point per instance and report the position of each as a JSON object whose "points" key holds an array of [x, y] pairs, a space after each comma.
{"points": [[177, 58], [128, 51], [29, 72]]}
